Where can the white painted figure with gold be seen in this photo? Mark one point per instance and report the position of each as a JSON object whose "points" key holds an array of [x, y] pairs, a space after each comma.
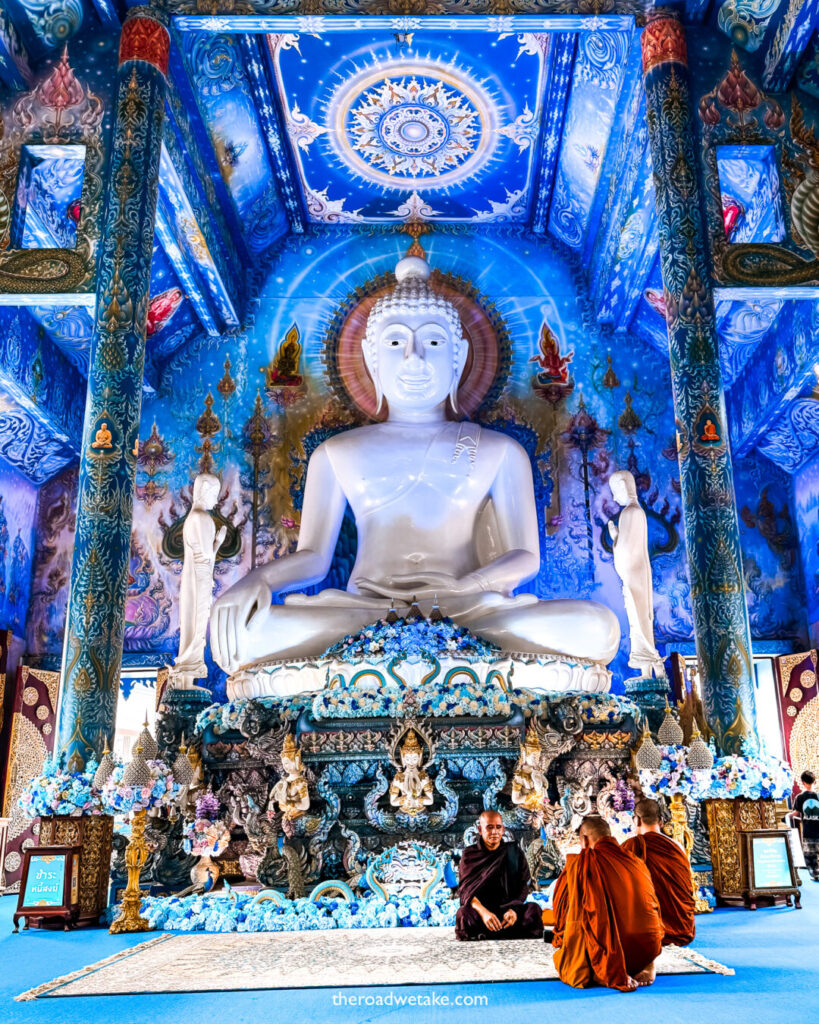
{"points": [[442, 509], [528, 782], [629, 536], [201, 544], [290, 794], [411, 789]]}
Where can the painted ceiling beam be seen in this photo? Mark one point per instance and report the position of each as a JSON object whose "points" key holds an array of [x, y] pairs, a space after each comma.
{"points": [[15, 69], [186, 246], [185, 112], [556, 100], [620, 159], [257, 67], [261, 24], [181, 264], [788, 38], [642, 272], [183, 179], [106, 11]]}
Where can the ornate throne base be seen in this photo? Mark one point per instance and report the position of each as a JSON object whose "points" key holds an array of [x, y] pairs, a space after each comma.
{"points": [[544, 673], [348, 740]]}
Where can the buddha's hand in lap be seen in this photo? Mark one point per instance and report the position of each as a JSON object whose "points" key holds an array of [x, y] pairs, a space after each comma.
{"points": [[509, 918], [405, 586], [231, 615]]}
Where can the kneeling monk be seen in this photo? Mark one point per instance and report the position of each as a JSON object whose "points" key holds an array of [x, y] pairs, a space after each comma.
{"points": [[493, 882], [607, 927], [670, 871]]}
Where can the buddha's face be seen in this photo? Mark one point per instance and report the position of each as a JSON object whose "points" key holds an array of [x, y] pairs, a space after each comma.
{"points": [[410, 759], [417, 360], [290, 765]]}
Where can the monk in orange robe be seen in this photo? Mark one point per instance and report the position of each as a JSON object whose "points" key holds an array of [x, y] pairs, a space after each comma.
{"points": [[607, 925], [670, 871]]}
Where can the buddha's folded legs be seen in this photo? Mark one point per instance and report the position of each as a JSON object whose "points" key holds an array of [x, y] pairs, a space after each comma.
{"points": [[577, 629]]}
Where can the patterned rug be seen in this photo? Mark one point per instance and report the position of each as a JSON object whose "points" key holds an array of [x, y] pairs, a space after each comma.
{"points": [[324, 959]]}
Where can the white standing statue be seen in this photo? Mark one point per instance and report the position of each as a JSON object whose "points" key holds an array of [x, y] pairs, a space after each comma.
{"points": [[442, 509], [201, 543], [629, 537]]}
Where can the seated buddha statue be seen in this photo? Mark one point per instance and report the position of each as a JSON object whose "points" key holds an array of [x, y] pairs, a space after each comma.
{"points": [[444, 512]]}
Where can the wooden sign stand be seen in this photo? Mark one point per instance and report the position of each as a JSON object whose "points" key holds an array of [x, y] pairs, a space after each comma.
{"points": [[50, 887], [769, 875]]}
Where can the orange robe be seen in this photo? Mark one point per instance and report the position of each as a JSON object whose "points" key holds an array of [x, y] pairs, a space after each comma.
{"points": [[607, 918], [671, 873]]}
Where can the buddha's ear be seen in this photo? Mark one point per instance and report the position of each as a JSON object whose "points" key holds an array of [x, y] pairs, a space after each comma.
{"points": [[371, 362], [460, 362]]}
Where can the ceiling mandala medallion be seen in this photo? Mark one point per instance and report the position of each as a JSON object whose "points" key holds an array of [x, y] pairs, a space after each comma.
{"points": [[413, 124]]}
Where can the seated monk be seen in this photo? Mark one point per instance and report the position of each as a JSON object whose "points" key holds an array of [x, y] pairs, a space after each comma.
{"points": [[607, 925], [670, 871], [493, 883]]}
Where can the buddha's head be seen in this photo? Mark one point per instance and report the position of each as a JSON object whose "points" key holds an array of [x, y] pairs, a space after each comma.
{"points": [[414, 346]]}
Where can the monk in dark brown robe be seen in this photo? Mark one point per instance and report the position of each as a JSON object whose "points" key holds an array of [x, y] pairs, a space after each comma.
{"points": [[670, 871], [607, 925], [493, 883]]}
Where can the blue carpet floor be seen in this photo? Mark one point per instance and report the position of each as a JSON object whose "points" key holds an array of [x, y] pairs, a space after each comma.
{"points": [[774, 952]]}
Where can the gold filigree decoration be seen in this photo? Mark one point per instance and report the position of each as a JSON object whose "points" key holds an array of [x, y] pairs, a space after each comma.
{"points": [[30, 696], [804, 739], [27, 751]]}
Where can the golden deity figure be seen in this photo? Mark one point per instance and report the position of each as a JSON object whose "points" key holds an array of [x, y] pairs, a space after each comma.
{"points": [[411, 789], [291, 793], [102, 438], [529, 782]]}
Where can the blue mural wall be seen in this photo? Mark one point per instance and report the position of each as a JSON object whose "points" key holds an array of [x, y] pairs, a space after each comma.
{"points": [[18, 504], [806, 494]]}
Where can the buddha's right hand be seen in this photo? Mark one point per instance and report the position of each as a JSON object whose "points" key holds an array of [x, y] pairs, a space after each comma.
{"points": [[231, 616]]}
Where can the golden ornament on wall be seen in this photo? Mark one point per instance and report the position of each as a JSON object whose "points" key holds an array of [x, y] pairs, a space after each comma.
{"points": [[796, 695], [30, 696], [791, 711]]}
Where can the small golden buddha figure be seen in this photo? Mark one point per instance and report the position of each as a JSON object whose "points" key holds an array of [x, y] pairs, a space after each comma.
{"points": [[528, 782], [102, 438], [710, 432], [290, 792], [411, 789]]}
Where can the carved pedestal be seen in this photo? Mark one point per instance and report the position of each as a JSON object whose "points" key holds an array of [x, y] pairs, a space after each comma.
{"points": [[727, 819], [94, 834], [178, 711]]}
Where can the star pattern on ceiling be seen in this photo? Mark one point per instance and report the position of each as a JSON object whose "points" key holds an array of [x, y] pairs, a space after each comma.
{"points": [[414, 127]]}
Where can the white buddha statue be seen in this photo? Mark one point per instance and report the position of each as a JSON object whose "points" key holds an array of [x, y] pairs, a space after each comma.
{"points": [[444, 511]]}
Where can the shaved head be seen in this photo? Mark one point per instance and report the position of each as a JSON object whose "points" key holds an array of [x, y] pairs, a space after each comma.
{"points": [[648, 811], [490, 829], [592, 829]]}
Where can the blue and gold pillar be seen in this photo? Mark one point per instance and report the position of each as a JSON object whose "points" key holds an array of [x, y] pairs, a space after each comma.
{"points": [[721, 624], [99, 572]]}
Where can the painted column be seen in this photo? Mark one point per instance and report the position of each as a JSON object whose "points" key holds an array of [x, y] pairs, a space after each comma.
{"points": [[99, 572], [721, 626]]}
